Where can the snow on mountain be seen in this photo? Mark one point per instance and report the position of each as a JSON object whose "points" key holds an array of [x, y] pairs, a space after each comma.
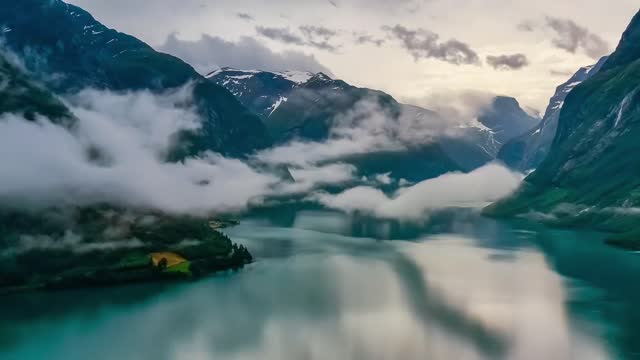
{"points": [[298, 77], [527, 151], [262, 91]]}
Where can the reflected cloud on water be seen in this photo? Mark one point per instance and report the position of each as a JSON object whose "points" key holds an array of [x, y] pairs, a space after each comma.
{"points": [[327, 286]]}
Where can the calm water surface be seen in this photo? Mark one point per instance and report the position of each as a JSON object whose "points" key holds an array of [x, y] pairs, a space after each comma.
{"points": [[329, 286]]}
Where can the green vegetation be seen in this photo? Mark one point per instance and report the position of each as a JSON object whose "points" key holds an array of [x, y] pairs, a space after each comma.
{"points": [[19, 95], [184, 268], [56, 38], [592, 176], [103, 246]]}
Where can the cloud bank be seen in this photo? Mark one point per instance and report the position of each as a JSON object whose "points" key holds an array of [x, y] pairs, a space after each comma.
{"points": [[484, 185], [209, 53], [366, 128], [115, 154], [116, 151]]}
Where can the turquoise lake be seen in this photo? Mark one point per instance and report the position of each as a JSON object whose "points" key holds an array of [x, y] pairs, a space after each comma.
{"points": [[330, 286]]}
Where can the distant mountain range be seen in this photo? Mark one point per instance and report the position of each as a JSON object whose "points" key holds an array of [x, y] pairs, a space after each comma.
{"points": [[527, 151], [306, 106], [591, 175]]}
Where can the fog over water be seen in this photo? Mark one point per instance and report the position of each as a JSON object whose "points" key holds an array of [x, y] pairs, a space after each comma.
{"points": [[331, 286]]}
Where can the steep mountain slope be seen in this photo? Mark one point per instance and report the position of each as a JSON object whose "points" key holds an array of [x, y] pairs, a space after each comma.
{"points": [[527, 151], [592, 175], [20, 95], [506, 119], [68, 50]]}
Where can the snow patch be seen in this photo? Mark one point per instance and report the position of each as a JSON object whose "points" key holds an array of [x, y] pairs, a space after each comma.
{"points": [[588, 69], [298, 77], [559, 105], [241, 77], [570, 87], [277, 104]]}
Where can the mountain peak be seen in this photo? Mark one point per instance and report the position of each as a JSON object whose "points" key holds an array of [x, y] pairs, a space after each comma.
{"points": [[628, 49]]}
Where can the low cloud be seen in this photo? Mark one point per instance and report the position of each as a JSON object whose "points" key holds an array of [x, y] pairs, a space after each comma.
{"points": [[210, 53], [424, 44], [508, 62], [116, 152], [459, 108], [309, 177], [68, 242], [365, 128], [474, 189]]}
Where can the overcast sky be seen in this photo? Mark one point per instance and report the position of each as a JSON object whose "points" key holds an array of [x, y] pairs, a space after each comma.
{"points": [[411, 49]]}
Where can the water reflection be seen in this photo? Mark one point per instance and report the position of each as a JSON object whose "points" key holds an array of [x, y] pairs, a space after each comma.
{"points": [[329, 286]]}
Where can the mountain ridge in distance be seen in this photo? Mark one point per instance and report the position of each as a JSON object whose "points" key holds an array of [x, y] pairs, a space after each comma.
{"points": [[307, 107]]}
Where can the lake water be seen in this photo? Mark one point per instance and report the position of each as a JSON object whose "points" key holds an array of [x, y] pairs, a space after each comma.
{"points": [[330, 286]]}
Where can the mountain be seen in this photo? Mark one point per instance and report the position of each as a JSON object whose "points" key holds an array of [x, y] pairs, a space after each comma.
{"points": [[506, 119], [591, 175], [297, 104], [262, 92], [66, 49], [302, 105], [527, 151], [21, 95]]}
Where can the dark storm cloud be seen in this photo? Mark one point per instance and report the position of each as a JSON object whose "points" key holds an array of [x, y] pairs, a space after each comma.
{"points": [[424, 44], [209, 53], [508, 62], [318, 37], [244, 16], [573, 37]]}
